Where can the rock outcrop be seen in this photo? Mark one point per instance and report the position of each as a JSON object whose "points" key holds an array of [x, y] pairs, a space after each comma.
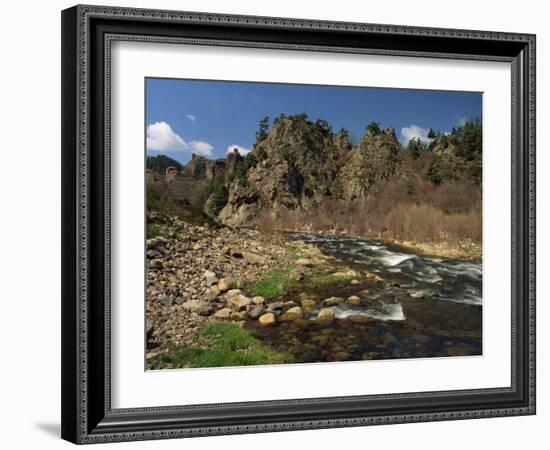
{"points": [[201, 168], [374, 160], [300, 164], [231, 162]]}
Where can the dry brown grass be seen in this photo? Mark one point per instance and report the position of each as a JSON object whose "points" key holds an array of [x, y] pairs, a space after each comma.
{"points": [[400, 210], [425, 222]]}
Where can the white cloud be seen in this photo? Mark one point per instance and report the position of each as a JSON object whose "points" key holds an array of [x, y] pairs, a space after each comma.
{"points": [[415, 132], [201, 148], [243, 151], [160, 136], [191, 117]]}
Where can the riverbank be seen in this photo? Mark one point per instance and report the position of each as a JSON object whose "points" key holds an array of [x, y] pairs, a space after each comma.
{"points": [[466, 249]]}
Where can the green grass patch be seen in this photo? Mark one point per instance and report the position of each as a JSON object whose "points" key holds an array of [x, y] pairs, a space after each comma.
{"points": [[274, 284], [228, 345], [276, 281], [320, 279]]}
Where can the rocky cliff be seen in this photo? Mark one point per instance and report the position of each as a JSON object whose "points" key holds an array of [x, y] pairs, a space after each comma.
{"points": [[300, 163]]}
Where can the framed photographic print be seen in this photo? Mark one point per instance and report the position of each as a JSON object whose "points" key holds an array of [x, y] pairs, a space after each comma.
{"points": [[281, 224]]}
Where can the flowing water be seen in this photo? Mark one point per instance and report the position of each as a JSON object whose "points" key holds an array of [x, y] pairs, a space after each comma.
{"points": [[420, 306]]}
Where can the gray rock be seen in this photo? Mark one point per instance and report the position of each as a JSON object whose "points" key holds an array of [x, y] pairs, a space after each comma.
{"points": [[166, 300], [210, 296], [199, 307], [256, 312], [210, 277]]}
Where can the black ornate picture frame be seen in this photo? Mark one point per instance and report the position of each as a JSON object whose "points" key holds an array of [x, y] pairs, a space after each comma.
{"points": [[87, 34]]}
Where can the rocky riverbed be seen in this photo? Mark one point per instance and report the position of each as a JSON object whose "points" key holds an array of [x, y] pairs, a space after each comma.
{"points": [[192, 272], [324, 298]]}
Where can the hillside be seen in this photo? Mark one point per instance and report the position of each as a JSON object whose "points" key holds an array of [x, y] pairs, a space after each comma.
{"points": [[303, 175]]}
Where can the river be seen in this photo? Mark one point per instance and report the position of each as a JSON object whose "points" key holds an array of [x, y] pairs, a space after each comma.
{"points": [[424, 307]]}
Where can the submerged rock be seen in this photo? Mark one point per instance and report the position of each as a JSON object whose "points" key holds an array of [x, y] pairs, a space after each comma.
{"points": [[307, 303], [326, 315]]}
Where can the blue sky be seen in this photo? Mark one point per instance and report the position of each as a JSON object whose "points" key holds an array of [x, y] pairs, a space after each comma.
{"points": [[207, 117]]}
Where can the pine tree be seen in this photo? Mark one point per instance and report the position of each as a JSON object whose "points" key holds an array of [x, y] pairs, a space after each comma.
{"points": [[433, 174], [373, 128], [261, 134], [414, 148]]}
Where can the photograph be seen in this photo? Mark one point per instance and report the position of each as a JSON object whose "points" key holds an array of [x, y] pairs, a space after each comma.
{"points": [[300, 223]]}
